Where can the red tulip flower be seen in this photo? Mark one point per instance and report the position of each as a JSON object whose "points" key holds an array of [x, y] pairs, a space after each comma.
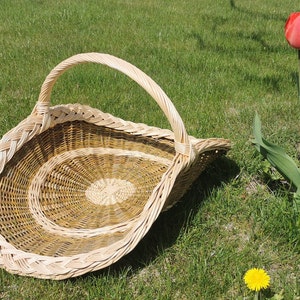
{"points": [[292, 35], [292, 30]]}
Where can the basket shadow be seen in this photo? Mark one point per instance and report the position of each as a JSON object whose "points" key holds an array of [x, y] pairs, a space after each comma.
{"points": [[168, 226]]}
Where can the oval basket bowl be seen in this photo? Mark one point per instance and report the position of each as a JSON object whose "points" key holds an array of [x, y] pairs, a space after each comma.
{"points": [[79, 188]]}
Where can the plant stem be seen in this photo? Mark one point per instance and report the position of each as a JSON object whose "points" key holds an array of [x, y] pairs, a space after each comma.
{"points": [[299, 74]]}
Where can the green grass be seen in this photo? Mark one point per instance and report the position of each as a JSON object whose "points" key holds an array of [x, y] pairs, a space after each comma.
{"points": [[219, 61]]}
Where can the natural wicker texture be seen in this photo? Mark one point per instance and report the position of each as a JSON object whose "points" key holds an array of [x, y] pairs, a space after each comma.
{"points": [[80, 188]]}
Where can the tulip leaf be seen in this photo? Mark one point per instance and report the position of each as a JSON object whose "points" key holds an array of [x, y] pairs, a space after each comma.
{"points": [[276, 155]]}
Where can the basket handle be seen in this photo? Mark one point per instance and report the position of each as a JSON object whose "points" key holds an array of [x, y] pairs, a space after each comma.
{"points": [[182, 141]]}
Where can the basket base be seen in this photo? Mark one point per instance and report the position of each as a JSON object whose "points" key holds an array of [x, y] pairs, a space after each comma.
{"points": [[109, 191]]}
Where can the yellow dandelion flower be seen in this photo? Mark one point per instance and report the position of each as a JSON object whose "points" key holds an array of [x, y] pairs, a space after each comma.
{"points": [[257, 279]]}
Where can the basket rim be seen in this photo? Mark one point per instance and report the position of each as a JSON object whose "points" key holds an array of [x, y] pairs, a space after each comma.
{"points": [[15, 138]]}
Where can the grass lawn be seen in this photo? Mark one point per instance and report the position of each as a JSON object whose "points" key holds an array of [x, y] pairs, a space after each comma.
{"points": [[219, 61]]}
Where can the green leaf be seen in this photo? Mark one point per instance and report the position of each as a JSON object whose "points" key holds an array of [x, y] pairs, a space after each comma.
{"points": [[279, 296], [276, 155]]}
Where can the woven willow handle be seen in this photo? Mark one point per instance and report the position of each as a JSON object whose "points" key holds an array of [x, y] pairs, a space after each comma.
{"points": [[182, 142]]}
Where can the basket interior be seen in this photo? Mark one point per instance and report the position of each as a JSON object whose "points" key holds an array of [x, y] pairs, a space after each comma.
{"points": [[77, 187]]}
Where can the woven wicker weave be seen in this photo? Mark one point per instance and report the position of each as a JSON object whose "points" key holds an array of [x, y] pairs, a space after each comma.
{"points": [[79, 188]]}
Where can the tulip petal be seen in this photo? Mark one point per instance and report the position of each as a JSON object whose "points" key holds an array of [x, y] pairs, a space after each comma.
{"points": [[292, 30]]}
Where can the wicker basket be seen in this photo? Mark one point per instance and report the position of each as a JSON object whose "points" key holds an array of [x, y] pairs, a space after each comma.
{"points": [[80, 188]]}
